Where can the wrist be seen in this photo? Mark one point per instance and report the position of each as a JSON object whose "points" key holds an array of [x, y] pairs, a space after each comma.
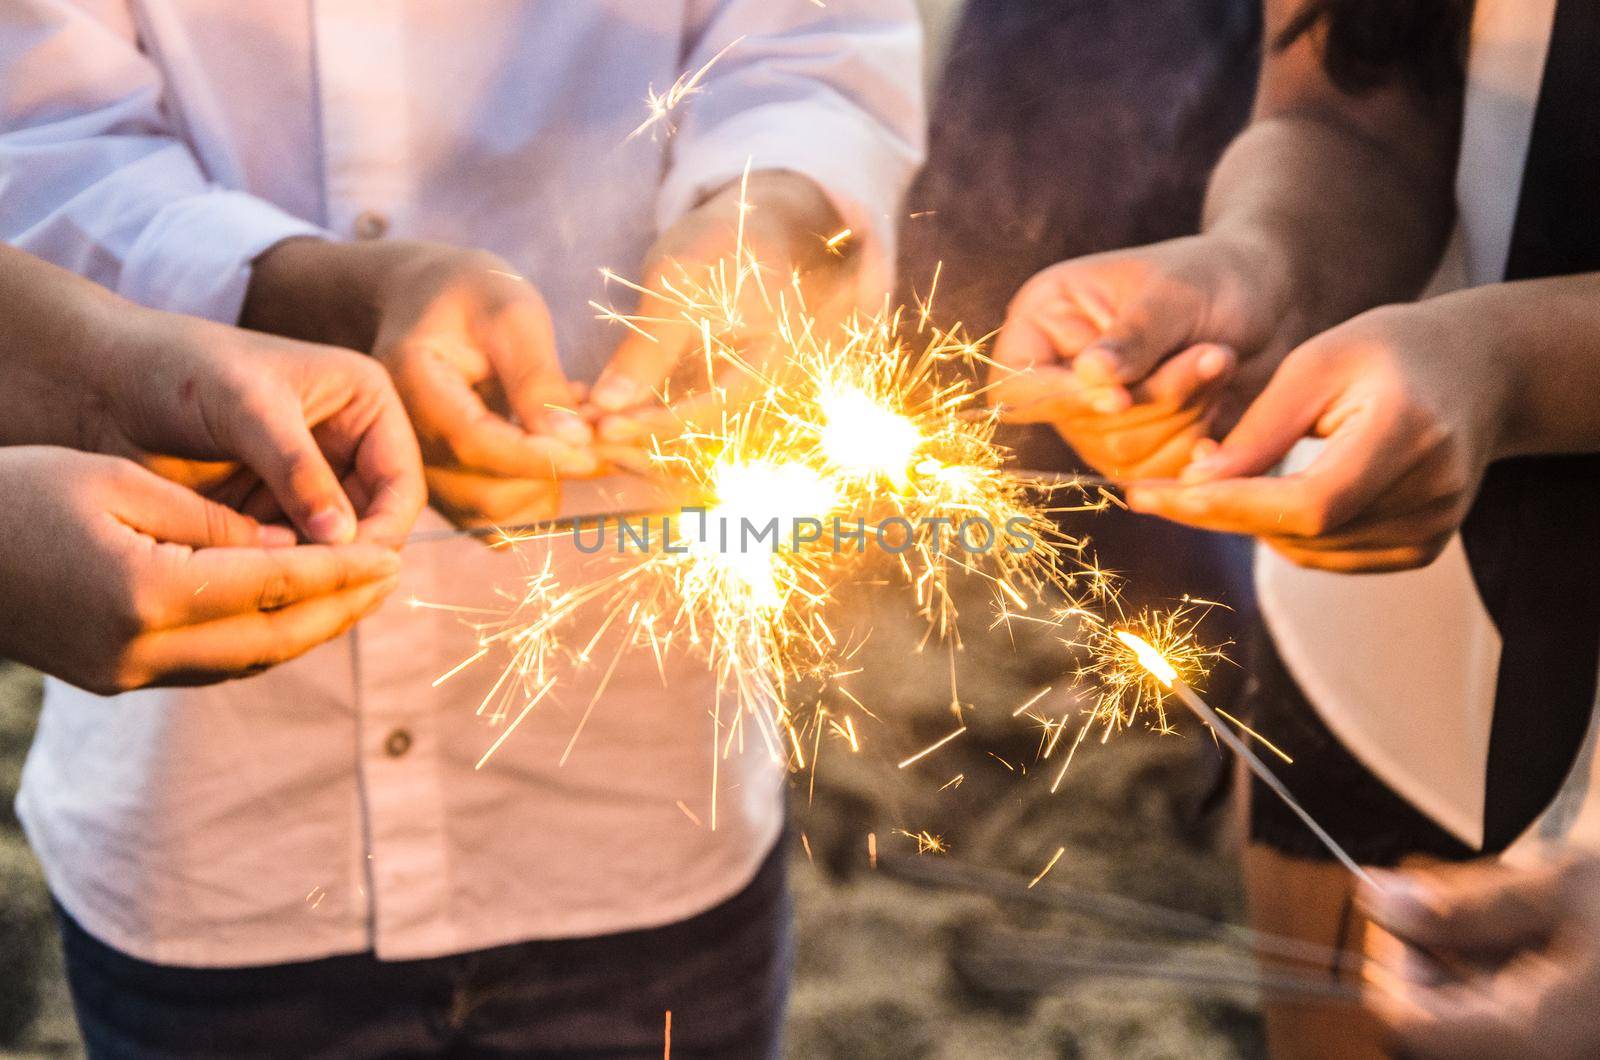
{"points": [[88, 370], [1488, 331], [1256, 289], [794, 208], [317, 291]]}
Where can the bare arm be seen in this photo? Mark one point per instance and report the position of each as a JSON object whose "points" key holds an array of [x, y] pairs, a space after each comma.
{"points": [[1348, 199], [1329, 203]]}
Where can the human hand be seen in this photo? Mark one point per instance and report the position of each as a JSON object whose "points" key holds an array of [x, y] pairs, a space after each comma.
{"points": [[1523, 949], [113, 578], [787, 223], [1129, 354], [1411, 400], [320, 428], [471, 351]]}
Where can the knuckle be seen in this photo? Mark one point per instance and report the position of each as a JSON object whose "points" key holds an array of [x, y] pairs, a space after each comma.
{"points": [[1312, 518], [366, 372], [133, 608], [1455, 475], [1432, 548], [122, 476], [121, 671], [275, 590], [217, 521]]}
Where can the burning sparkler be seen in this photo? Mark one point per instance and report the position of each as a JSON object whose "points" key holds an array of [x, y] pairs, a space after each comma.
{"points": [[1162, 669]]}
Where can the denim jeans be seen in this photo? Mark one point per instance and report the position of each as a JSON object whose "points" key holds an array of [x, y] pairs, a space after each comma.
{"points": [[724, 975]]}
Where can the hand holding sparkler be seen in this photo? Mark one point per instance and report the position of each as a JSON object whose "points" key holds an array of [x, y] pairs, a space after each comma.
{"points": [[1414, 402], [729, 262], [1129, 353], [1523, 952], [472, 353], [269, 426], [113, 578]]}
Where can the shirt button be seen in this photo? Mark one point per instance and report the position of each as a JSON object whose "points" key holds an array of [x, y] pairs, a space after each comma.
{"points": [[397, 744], [370, 224]]}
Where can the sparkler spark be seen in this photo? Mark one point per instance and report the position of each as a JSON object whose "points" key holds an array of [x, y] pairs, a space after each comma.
{"points": [[1148, 657], [1048, 866], [927, 842], [661, 105]]}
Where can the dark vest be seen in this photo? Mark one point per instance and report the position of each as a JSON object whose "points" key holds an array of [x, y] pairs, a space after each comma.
{"points": [[1533, 536]]}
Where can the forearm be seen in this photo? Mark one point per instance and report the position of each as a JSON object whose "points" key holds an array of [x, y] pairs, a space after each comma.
{"points": [[1337, 221], [1339, 201], [1544, 336], [57, 338], [318, 291]]}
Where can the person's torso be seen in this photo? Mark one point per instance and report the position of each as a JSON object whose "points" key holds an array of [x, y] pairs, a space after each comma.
{"points": [[1469, 686], [336, 803]]}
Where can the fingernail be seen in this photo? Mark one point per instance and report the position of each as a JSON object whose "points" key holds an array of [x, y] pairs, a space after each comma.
{"points": [[568, 427], [331, 526], [277, 537], [620, 429], [615, 393], [388, 566], [1214, 362], [1201, 470], [1098, 362], [1112, 402]]}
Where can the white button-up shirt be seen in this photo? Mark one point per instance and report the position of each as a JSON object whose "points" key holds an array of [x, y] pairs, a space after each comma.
{"points": [[332, 806]]}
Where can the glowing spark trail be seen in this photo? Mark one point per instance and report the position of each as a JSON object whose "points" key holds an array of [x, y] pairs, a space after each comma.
{"points": [[1048, 866], [926, 751], [662, 105]]}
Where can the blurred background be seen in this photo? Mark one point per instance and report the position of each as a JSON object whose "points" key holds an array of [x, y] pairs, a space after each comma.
{"points": [[1060, 128]]}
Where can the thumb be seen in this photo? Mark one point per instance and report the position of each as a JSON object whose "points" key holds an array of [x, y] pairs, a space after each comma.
{"points": [[1479, 907], [521, 345], [174, 514], [1141, 335], [1292, 402], [274, 441], [644, 359]]}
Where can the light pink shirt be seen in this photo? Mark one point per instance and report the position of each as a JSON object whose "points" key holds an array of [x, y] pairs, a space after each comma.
{"points": [[332, 806]]}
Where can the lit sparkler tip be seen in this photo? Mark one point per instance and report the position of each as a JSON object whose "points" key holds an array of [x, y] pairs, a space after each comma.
{"points": [[1149, 657]]}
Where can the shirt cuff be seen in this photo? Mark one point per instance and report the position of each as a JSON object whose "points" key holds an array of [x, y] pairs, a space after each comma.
{"points": [[194, 256], [862, 170]]}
